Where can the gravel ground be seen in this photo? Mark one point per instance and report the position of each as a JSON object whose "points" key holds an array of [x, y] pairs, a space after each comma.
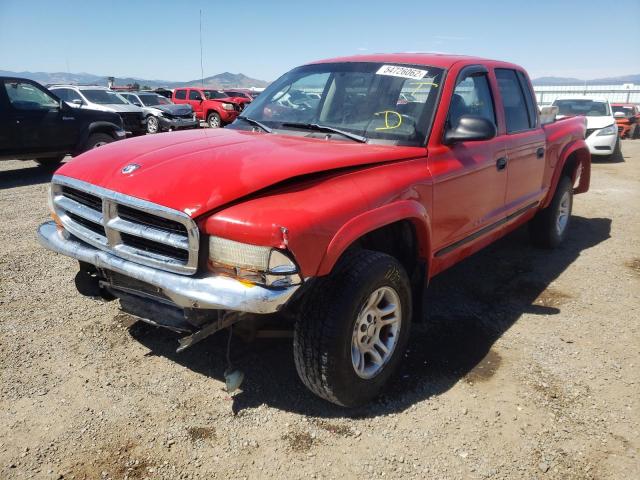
{"points": [[527, 367]]}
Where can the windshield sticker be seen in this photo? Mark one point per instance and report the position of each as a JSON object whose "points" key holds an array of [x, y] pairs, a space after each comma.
{"points": [[403, 72], [396, 119]]}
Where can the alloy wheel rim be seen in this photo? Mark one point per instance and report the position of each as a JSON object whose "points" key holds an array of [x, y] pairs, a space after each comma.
{"points": [[214, 122], [152, 125], [564, 210], [376, 332]]}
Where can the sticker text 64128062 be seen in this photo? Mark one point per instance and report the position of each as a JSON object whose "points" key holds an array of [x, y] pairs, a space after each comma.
{"points": [[404, 72]]}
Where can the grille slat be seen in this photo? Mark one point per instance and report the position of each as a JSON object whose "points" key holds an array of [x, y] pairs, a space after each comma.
{"points": [[127, 227]]}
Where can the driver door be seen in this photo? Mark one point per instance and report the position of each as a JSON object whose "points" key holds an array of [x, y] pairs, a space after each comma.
{"points": [[43, 124]]}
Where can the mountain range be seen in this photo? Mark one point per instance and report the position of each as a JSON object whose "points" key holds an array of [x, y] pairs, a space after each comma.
{"points": [[598, 81], [221, 80], [240, 80]]}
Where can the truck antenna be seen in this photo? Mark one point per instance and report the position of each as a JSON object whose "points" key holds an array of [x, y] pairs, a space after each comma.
{"points": [[201, 68]]}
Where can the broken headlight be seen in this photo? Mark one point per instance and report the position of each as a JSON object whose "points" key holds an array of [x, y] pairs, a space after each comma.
{"points": [[252, 263]]}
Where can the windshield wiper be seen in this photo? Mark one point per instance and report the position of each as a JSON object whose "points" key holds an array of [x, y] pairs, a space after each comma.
{"points": [[256, 123], [326, 128]]}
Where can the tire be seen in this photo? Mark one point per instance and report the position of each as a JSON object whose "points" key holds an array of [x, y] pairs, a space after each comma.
{"points": [[51, 163], [214, 120], [325, 343], [97, 140], [547, 229], [636, 132], [617, 152], [153, 124]]}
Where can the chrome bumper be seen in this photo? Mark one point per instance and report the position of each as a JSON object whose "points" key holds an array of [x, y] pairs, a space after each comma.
{"points": [[211, 292]]}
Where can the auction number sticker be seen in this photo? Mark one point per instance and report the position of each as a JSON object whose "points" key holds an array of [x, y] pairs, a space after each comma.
{"points": [[404, 72]]}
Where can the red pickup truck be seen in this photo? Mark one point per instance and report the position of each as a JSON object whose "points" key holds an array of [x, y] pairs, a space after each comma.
{"points": [[214, 106], [332, 200]]}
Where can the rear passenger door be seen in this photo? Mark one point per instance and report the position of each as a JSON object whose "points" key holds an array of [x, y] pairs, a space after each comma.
{"points": [[525, 144]]}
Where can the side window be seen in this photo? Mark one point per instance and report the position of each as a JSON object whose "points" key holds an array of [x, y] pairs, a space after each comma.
{"points": [[530, 99], [181, 94], [194, 95], [472, 96], [72, 95], [62, 94], [25, 96], [515, 106]]}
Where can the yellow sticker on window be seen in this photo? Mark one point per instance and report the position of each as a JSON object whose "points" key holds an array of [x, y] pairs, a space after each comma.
{"points": [[389, 125]]}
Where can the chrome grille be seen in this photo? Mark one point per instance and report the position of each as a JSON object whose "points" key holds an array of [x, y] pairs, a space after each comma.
{"points": [[127, 227]]}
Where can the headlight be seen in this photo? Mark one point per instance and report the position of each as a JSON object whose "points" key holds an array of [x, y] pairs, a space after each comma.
{"points": [[610, 130], [227, 106], [252, 263]]}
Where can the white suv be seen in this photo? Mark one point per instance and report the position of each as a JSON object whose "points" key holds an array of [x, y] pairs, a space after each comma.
{"points": [[602, 131], [101, 98]]}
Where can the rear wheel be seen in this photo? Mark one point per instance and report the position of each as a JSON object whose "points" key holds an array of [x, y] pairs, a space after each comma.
{"points": [[549, 227], [213, 120], [96, 140], [353, 328]]}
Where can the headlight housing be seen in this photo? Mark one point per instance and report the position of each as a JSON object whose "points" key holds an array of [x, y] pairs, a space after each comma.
{"points": [[610, 130], [227, 106], [252, 263]]}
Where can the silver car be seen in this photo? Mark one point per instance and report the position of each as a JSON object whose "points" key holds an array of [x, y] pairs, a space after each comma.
{"points": [[162, 114], [101, 98]]}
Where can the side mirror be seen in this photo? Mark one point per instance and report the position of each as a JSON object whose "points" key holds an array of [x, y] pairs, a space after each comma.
{"points": [[470, 128], [78, 102], [619, 115]]}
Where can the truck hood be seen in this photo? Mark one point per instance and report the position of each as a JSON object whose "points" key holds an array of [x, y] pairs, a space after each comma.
{"points": [[197, 171]]}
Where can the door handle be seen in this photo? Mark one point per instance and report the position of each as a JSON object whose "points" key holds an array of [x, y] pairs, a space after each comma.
{"points": [[540, 152], [501, 163]]}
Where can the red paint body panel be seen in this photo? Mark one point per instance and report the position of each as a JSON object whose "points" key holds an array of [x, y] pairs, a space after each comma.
{"points": [[246, 186]]}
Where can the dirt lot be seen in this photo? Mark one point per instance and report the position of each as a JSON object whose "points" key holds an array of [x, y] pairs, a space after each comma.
{"points": [[527, 367]]}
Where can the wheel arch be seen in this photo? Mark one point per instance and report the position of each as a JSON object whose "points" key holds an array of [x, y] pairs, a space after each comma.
{"points": [[95, 127], [406, 220], [575, 163]]}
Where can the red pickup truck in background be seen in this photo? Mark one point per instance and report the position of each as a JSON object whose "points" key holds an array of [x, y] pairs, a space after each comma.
{"points": [[333, 199], [214, 106]]}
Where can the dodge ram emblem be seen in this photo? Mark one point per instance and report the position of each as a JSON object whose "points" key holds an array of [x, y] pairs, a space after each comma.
{"points": [[132, 167]]}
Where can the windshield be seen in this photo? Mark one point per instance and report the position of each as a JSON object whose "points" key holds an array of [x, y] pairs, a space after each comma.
{"points": [[104, 97], [627, 111], [586, 107], [214, 94], [149, 100], [382, 102]]}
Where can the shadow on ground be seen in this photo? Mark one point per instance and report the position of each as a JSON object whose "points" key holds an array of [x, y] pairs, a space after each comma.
{"points": [[29, 174], [470, 306]]}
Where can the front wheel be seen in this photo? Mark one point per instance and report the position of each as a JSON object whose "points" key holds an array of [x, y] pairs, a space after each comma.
{"points": [[213, 120], [353, 328], [153, 124], [549, 227], [96, 140]]}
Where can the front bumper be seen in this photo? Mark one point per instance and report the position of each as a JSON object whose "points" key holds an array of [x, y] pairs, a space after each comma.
{"points": [[177, 123], [601, 144], [205, 292], [228, 116]]}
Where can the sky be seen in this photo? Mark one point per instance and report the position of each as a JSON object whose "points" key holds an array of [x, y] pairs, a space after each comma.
{"points": [[160, 40]]}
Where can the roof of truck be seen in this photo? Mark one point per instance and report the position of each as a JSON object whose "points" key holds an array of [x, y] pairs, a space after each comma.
{"points": [[442, 60]]}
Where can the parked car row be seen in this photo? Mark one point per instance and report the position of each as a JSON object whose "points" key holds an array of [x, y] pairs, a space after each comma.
{"points": [[46, 124]]}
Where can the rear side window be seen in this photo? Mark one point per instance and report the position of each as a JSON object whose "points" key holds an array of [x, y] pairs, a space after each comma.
{"points": [[515, 106], [194, 95], [181, 94], [528, 96]]}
